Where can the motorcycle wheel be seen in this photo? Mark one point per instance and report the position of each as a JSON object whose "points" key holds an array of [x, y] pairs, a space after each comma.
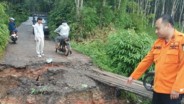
{"points": [[56, 50], [67, 51], [148, 81]]}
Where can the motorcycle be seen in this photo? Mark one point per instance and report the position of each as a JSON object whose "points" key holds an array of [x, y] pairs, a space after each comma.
{"points": [[148, 80], [64, 47], [14, 36]]}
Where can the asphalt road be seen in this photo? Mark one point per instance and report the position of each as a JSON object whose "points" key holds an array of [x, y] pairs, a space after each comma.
{"points": [[24, 52]]}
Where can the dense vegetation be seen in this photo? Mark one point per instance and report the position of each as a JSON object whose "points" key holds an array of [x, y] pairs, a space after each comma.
{"points": [[129, 21], [91, 23], [3, 29]]}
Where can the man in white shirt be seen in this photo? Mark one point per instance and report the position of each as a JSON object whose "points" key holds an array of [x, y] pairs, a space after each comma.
{"points": [[63, 31], [39, 37]]}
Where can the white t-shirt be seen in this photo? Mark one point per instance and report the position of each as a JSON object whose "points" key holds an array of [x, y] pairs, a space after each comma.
{"points": [[38, 30]]}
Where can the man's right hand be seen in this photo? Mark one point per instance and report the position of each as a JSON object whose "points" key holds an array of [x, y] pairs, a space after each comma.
{"points": [[130, 80]]}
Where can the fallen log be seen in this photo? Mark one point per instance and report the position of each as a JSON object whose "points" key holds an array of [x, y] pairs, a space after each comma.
{"points": [[119, 81]]}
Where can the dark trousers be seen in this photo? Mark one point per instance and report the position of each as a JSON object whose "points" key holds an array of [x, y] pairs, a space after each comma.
{"points": [[159, 98]]}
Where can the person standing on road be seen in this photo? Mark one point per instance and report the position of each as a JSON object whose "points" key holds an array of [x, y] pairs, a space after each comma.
{"points": [[39, 37], [168, 55]]}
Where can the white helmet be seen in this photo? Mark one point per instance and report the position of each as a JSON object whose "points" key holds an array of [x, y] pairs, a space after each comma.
{"points": [[12, 19]]}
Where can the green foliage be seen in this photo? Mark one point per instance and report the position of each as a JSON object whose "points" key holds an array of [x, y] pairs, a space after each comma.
{"points": [[126, 48], [19, 12], [120, 53], [89, 20], [4, 34], [63, 10], [107, 17], [33, 91], [132, 6], [123, 21], [133, 17], [132, 21], [83, 24], [40, 90], [138, 22], [95, 49], [135, 99]]}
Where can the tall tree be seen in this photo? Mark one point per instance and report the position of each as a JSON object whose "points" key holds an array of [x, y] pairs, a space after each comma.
{"points": [[155, 10], [163, 7], [181, 17], [79, 6], [174, 7], [104, 3]]}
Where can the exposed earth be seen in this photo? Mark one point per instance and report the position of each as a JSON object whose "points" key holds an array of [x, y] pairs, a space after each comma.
{"points": [[27, 79]]}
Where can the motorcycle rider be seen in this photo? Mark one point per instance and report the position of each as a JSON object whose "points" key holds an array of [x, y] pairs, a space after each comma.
{"points": [[12, 27], [63, 31]]}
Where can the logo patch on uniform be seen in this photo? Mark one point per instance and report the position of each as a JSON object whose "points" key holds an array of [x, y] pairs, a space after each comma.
{"points": [[157, 47], [174, 45]]}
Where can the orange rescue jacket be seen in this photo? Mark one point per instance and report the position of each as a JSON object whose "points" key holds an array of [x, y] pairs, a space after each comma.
{"points": [[169, 64]]}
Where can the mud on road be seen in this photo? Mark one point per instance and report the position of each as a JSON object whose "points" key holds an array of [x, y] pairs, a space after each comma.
{"points": [[27, 79]]}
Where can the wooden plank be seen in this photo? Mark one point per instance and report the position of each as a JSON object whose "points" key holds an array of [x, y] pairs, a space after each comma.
{"points": [[119, 81]]}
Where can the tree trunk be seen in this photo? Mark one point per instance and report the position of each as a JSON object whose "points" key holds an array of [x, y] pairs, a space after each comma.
{"points": [[174, 7], [155, 10], [147, 7], [182, 25], [115, 5], [181, 15], [104, 3], [163, 7], [79, 6], [119, 4], [140, 7]]}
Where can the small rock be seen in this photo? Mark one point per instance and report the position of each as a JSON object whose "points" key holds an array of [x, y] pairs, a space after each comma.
{"points": [[31, 100], [2, 68], [84, 85]]}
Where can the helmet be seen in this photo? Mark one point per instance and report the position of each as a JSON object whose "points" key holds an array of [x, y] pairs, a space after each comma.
{"points": [[12, 19]]}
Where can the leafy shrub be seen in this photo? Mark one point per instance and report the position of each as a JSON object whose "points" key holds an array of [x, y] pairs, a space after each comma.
{"points": [[135, 99], [95, 49], [88, 20], [107, 16], [63, 10], [125, 49], [3, 28], [18, 12], [119, 53]]}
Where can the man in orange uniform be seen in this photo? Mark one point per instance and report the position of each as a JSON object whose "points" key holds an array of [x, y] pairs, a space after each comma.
{"points": [[168, 55]]}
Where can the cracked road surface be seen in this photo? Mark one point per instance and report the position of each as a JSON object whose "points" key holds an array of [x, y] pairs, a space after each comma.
{"points": [[24, 53]]}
